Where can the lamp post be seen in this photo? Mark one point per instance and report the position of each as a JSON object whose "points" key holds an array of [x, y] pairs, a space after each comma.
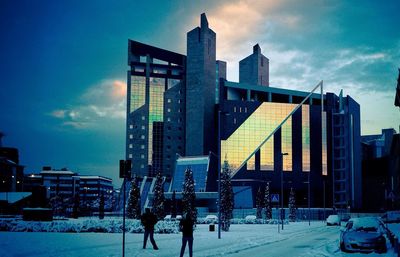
{"points": [[309, 210], [282, 216]]}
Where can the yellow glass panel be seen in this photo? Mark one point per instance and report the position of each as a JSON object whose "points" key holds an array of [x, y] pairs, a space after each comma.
{"points": [[324, 146], [305, 136], [156, 108], [242, 143]]}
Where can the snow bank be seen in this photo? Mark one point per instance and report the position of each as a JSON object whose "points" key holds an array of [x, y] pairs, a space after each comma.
{"points": [[86, 225]]}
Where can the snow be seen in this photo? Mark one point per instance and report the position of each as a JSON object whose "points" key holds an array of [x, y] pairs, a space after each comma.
{"points": [[297, 239]]}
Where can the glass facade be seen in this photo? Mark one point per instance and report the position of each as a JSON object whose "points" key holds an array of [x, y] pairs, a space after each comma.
{"points": [[286, 142], [267, 155], [305, 137], [138, 92], [156, 107], [242, 143], [324, 146]]}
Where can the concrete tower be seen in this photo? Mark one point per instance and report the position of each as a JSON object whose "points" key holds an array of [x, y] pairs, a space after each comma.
{"points": [[200, 89], [254, 69]]}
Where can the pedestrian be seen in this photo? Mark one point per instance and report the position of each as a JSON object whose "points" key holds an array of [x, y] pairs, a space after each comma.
{"points": [[186, 226], [148, 221]]}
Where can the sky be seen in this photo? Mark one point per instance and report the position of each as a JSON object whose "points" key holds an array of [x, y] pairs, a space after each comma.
{"points": [[64, 63]]}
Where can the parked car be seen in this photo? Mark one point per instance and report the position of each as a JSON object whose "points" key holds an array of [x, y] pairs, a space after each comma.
{"points": [[333, 220], [391, 217], [211, 219], [365, 234]]}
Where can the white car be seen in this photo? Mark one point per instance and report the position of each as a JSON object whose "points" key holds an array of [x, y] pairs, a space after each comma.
{"points": [[333, 220], [211, 219], [365, 234]]}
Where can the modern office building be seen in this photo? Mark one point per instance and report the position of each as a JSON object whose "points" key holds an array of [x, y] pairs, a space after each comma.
{"points": [[177, 103], [380, 170], [92, 187], [11, 172]]}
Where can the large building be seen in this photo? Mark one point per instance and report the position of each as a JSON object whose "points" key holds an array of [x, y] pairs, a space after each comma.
{"points": [[177, 103]]}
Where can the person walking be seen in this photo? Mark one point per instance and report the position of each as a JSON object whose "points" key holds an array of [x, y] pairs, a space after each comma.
{"points": [[148, 220], [186, 226]]}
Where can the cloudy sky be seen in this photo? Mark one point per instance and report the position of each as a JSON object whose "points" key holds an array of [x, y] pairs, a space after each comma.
{"points": [[63, 64]]}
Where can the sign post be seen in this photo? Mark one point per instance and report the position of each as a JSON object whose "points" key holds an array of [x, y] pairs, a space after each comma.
{"points": [[124, 172]]}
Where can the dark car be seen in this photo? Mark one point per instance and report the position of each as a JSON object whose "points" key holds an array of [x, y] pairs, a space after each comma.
{"points": [[365, 234]]}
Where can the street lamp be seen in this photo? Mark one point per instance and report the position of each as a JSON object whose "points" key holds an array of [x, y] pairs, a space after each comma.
{"points": [[282, 216], [219, 170]]}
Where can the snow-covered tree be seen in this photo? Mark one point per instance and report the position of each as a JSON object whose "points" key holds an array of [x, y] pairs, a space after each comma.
{"points": [[267, 202], [292, 205], [158, 198], [189, 195], [227, 197], [133, 205], [173, 205], [56, 203], [101, 207], [259, 203]]}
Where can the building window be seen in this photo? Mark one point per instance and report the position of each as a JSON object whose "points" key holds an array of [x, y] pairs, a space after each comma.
{"points": [[169, 138], [143, 118], [179, 110], [168, 119], [180, 128], [169, 110], [245, 109], [142, 156], [130, 146], [168, 147], [130, 136], [142, 146], [234, 120], [179, 101], [234, 108], [142, 137], [143, 127], [180, 138], [169, 100], [130, 156], [240, 109], [179, 120], [142, 166], [131, 126]]}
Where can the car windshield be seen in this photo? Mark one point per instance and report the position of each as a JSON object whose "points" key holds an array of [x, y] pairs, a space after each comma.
{"points": [[367, 229]]}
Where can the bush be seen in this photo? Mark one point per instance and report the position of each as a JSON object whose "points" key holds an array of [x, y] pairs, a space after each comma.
{"points": [[87, 225]]}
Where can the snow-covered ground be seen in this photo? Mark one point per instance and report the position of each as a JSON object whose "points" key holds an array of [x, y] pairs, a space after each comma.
{"points": [[297, 239]]}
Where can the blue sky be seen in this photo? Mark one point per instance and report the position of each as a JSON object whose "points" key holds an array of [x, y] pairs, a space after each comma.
{"points": [[63, 64]]}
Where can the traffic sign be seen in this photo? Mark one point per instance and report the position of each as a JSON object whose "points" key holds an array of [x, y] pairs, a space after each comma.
{"points": [[275, 198]]}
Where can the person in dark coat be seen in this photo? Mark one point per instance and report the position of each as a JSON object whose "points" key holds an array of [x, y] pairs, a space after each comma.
{"points": [[148, 221], [186, 226]]}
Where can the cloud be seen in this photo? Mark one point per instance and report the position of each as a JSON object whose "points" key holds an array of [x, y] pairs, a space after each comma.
{"points": [[103, 102]]}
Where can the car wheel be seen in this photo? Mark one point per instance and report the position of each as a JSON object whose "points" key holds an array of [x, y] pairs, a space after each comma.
{"points": [[343, 248], [382, 249]]}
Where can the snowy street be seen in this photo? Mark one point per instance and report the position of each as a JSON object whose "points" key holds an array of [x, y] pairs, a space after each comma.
{"points": [[297, 239]]}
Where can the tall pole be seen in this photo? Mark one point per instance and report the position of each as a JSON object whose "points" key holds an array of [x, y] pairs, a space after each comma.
{"points": [[282, 210], [123, 222], [309, 210], [219, 174], [324, 199], [282, 189]]}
